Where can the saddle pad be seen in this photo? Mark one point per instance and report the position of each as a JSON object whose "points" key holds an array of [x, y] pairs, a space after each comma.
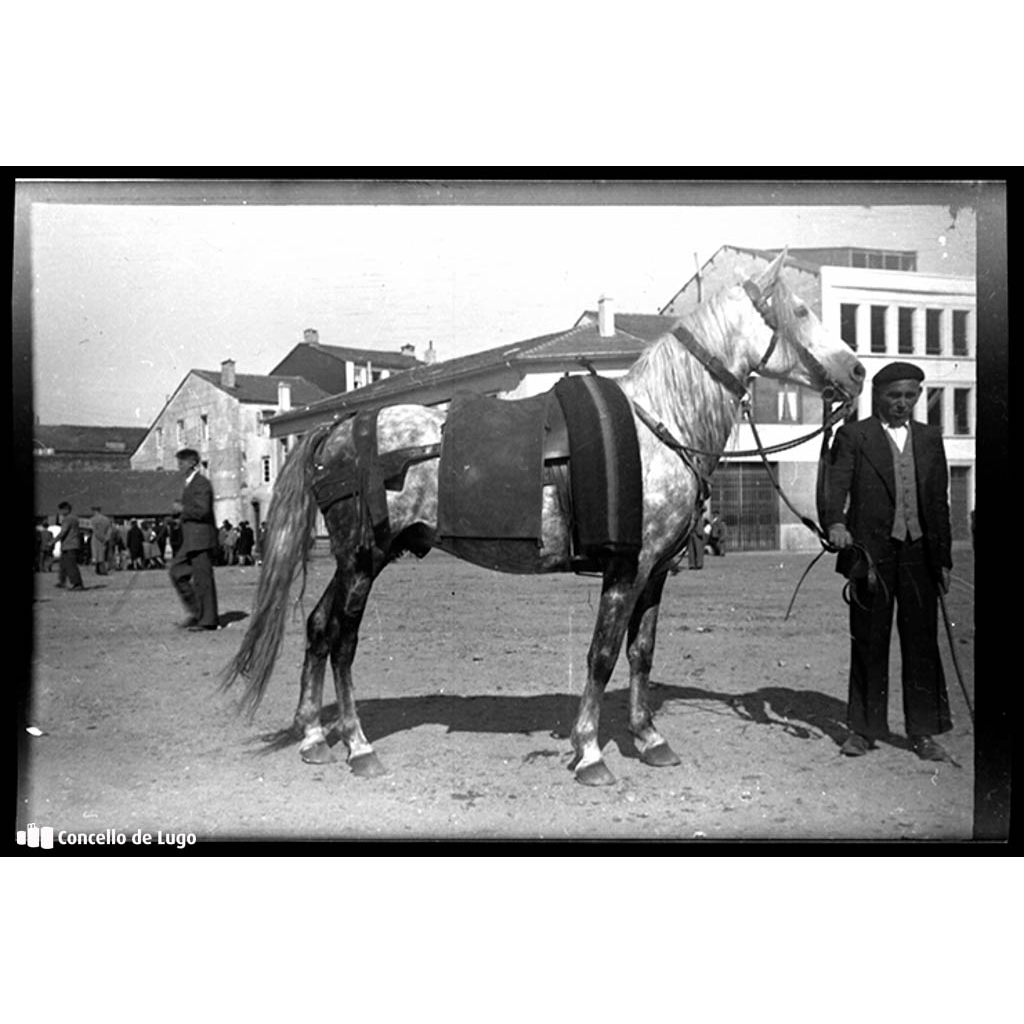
{"points": [[490, 477], [604, 464]]}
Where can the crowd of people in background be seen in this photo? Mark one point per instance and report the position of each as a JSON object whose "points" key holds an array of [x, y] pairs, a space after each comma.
{"points": [[236, 545], [129, 544]]}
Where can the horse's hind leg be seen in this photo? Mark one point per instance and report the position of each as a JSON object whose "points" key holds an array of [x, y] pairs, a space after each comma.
{"points": [[319, 629], [651, 746], [353, 592]]}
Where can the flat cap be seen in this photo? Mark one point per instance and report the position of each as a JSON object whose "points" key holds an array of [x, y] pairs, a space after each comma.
{"points": [[897, 371], [187, 453]]}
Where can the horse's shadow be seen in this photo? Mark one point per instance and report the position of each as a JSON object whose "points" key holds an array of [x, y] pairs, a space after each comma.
{"points": [[803, 714]]}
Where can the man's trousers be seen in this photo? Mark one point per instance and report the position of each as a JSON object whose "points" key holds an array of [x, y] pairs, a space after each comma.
{"points": [[192, 575], [904, 579]]}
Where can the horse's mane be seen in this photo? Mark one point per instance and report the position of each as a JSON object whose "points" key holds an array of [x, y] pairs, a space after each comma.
{"points": [[668, 380]]}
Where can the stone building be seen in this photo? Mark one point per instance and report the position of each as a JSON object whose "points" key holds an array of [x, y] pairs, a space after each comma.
{"points": [[223, 414]]}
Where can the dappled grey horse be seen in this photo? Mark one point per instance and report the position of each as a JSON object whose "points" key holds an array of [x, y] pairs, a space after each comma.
{"points": [[685, 391]]}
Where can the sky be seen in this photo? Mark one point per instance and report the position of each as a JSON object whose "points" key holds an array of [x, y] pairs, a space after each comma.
{"points": [[127, 299]]}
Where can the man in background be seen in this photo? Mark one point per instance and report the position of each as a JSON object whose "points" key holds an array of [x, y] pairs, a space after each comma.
{"points": [[101, 537], [191, 568], [70, 540]]}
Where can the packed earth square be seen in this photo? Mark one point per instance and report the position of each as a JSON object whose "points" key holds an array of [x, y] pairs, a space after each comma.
{"points": [[468, 682]]}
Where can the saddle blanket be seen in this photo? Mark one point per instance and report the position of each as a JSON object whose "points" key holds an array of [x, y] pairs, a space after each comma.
{"points": [[492, 472]]}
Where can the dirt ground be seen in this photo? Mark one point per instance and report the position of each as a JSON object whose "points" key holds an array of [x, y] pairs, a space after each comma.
{"points": [[466, 681]]}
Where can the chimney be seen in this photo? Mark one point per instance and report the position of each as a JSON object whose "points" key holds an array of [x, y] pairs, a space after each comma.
{"points": [[408, 350], [311, 336], [284, 395], [227, 373], [430, 356], [606, 316]]}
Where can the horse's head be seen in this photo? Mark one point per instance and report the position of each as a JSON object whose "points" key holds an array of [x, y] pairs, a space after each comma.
{"points": [[800, 348]]}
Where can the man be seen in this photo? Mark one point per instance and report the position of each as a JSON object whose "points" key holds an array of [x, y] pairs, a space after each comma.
{"points": [[70, 541], [695, 544], [888, 514], [101, 533], [246, 543], [716, 534], [191, 568]]}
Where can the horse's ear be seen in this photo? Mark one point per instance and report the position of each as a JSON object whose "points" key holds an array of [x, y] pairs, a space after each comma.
{"points": [[770, 274]]}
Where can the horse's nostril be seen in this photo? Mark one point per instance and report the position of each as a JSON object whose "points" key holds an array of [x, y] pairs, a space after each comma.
{"points": [[858, 371]]}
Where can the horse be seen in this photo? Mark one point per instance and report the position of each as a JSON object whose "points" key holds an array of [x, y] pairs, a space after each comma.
{"points": [[691, 393]]}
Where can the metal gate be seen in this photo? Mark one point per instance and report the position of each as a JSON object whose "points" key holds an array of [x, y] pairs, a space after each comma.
{"points": [[743, 496]]}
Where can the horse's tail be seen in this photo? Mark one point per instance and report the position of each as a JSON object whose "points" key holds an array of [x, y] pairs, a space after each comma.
{"points": [[290, 524]]}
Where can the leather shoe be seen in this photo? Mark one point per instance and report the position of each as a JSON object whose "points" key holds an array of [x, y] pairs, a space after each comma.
{"points": [[200, 629], [928, 750], [856, 745]]}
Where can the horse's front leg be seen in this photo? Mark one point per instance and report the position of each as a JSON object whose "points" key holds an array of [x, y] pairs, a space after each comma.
{"points": [[643, 624], [319, 625], [618, 595]]}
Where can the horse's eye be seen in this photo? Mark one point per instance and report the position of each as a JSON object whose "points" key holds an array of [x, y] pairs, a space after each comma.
{"points": [[801, 311]]}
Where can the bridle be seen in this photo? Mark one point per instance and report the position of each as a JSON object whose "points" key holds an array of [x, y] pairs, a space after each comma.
{"points": [[721, 373]]}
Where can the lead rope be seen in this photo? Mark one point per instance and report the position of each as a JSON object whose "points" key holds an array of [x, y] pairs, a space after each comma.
{"points": [[827, 547]]}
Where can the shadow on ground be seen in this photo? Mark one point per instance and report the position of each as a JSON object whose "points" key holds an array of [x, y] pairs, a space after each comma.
{"points": [[803, 714]]}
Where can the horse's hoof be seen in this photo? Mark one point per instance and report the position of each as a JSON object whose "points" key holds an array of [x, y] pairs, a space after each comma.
{"points": [[318, 753], [660, 756], [367, 766], [595, 774]]}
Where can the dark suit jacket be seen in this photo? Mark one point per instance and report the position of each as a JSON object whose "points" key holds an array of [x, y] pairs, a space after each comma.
{"points": [[861, 469], [198, 525]]}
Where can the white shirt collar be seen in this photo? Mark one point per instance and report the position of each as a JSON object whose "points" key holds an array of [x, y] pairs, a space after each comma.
{"points": [[191, 475], [898, 434]]}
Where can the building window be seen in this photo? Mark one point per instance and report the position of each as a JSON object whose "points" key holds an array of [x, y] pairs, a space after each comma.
{"points": [[159, 442], [935, 407], [961, 411], [848, 324], [933, 332], [878, 328], [204, 428], [959, 332], [775, 402], [789, 404], [179, 433], [883, 259], [905, 340], [265, 469]]}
